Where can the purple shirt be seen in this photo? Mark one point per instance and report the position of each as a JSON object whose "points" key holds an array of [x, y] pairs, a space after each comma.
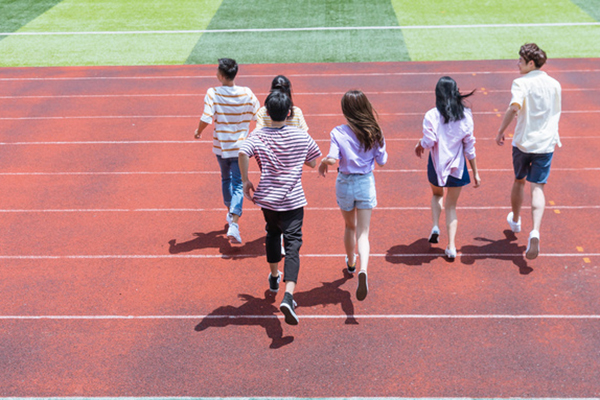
{"points": [[448, 143], [280, 154], [345, 147]]}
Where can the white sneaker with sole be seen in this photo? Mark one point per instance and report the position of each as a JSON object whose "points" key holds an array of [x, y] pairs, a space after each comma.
{"points": [[533, 245], [450, 253], [514, 226], [233, 234]]}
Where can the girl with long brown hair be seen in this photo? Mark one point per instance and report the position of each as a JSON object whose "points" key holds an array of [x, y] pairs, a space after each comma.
{"points": [[357, 145]]}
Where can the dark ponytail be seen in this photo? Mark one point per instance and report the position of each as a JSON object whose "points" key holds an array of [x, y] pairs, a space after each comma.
{"points": [[283, 84]]}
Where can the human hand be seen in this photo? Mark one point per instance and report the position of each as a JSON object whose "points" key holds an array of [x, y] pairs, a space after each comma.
{"points": [[248, 186], [323, 169], [477, 180], [419, 150], [197, 134], [500, 139]]}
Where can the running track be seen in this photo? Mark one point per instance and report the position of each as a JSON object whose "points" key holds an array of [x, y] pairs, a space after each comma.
{"points": [[116, 278]]}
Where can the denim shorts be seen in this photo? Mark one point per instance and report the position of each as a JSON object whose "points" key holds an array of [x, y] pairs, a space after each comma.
{"points": [[355, 191], [534, 167]]}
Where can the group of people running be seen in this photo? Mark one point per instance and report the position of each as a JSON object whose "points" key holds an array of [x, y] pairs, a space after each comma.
{"points": [[281, 146]]}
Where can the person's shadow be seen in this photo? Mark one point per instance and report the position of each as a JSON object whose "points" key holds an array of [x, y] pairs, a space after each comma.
{"points": [[503, 249], [329, 293], [218, 240], [255, 311], [417, 253]]}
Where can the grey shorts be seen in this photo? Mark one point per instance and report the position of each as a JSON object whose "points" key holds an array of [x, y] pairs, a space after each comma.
{"points": [[355, 191]]}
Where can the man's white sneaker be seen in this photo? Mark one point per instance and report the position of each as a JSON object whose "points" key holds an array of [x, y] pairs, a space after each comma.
{"points": [[533, 245], [233, 234], [514, 226]]}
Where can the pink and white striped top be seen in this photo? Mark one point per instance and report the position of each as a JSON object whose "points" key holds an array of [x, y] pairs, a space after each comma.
{"points": [[280, 154]]}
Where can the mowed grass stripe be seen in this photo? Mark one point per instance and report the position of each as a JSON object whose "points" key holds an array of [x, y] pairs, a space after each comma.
{"points": [[110, 15], [491, 43], [15, 14], [291, 47]]}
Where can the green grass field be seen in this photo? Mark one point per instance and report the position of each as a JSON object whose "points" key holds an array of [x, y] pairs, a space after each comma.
{"points": [[136, 32]]}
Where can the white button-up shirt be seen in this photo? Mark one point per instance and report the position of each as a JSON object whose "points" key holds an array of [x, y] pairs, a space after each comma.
{"points": [[539, 97]]}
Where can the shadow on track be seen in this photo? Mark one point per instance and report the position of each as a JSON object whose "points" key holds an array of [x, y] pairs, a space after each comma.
{"points": [[255, 311], [495, 249], [416, 253], [329, 293], [218, 240]]}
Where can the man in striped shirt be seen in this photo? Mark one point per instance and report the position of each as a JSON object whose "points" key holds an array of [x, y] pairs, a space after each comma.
{"points": [[280, 152], [232, 108]]}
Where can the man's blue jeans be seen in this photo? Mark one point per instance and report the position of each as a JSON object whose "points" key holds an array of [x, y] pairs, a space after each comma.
{"points": [[231, 184]]}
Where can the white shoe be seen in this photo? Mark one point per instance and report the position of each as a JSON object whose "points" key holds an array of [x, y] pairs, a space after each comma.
{"points": [[450, 253], [233, 234], [435, 234], [533, 245], [514, 226]]}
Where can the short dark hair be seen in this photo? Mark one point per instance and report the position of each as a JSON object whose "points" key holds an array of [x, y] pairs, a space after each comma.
{"points": [[531, 52], [278, 105], [228, 68]]}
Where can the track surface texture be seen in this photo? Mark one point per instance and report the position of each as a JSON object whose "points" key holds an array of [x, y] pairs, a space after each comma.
{"points": [[117, 279]]}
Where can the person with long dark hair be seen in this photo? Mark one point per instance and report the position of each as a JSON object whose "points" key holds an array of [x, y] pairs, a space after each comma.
{"points": [[295, 118], [357, 145], [448, 134]]}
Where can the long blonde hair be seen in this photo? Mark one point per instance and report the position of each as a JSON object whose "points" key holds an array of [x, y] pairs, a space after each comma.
{"points": [[362, 119]]}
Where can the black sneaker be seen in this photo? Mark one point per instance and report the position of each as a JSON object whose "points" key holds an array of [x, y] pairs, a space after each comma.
{"points": [[363, 286], [287, 308], [274, 283]]}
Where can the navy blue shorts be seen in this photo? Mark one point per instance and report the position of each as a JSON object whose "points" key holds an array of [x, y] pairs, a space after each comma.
{"points": [[451, 181], [534, 167]]}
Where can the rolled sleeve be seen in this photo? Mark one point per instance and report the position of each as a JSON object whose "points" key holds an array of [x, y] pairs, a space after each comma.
{"points": [[382, 155], [430, 126], [334, 147], [469, 139]]}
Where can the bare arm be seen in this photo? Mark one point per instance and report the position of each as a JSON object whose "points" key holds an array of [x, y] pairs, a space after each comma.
{"points": [[244, 162], [201, 126], [511, 113], [311, 164], [324, 166], [476, 177]]}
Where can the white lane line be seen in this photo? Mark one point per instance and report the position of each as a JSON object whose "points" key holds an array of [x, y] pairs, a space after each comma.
{"points": [[377, 171], [195, 210], [237, 256], [304, 316], [306, 29], [204, 142], [297, 75], [200, 95], [337, 115]]}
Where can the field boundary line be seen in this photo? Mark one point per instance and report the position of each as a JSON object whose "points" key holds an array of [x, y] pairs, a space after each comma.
{"points": [[306, 29]]}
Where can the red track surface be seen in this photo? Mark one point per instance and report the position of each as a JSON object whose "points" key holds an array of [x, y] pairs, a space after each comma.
{"points": [[100, 229]]}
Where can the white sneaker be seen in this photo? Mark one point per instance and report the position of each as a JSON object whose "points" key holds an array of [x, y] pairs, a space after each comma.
{"points": [[229, 218], [514, 226], [233, 234], [533, 245], [435, 234], [450, 253]]}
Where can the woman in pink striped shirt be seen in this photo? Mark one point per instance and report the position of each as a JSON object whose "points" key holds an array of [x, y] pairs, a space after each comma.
{"points": [[448, 134]]}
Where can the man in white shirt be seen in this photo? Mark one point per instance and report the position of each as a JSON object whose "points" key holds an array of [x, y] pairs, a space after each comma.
{"points": [[536, 102], [231, 108]]}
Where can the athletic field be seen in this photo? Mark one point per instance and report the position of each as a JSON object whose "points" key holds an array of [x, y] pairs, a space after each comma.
{"points": [[116, 277]]}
